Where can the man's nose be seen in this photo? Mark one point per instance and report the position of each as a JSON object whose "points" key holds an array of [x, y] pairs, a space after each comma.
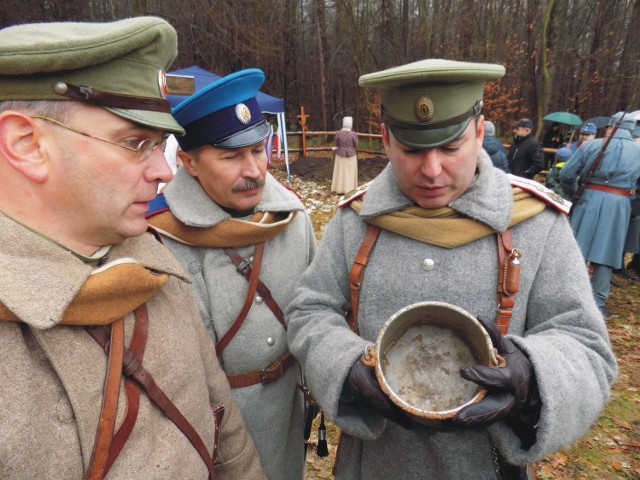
{"points": [[157, 167], [431, 165]]}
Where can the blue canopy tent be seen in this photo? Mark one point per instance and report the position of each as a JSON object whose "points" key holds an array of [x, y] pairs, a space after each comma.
{"points": [[267, 103]]}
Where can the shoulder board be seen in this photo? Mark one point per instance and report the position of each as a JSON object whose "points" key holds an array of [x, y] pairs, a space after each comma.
{"points": [[542, 192], [353, 195], [156, 206]]}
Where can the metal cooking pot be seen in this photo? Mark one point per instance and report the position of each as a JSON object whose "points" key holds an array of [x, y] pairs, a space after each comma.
{"points": [[418, 356]]}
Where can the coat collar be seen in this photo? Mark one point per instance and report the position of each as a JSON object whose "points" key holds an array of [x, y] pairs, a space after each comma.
{"points": [[41, 278], [192, 206], [488, 199]]}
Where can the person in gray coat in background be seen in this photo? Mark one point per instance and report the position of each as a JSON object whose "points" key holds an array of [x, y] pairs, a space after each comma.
{"points": [[245, 239], [494, 147], [439, 204]]}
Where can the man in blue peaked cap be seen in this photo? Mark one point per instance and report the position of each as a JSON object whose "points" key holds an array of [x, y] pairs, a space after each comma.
{"points": [[245, 240]]}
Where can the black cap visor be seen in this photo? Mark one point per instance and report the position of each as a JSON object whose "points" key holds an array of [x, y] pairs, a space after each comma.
{"points": [[252, 135]]}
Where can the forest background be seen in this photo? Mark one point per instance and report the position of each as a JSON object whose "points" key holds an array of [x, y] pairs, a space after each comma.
{"points": [[581, 56]]}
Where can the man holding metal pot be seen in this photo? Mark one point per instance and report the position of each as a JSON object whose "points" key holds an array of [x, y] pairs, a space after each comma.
{"points": [[449, 227]]}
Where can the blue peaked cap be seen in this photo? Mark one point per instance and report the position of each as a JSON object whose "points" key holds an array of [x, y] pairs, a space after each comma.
{"points": [[224, 114], [589, 128]]}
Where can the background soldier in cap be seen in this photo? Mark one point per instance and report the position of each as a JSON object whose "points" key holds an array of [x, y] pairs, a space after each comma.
{"points": [[245, 240], [439, 204], [601, 218], [588, 132], [82, 117], [525, 154]]}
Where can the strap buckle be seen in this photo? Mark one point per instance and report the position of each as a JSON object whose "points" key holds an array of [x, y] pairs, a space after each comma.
{"points": [[243, 267], [272, 371]]}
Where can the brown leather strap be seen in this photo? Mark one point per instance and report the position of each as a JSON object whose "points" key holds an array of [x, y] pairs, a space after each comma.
{"points": [[248, 300], [218, 414], [243, 267], [111, 99], [508, 279], [132, 368], [356, 274], [114, 342], [132, 390], [615, 190], [268, 374]]}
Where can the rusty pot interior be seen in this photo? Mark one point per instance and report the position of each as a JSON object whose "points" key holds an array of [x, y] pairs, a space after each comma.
{"points": [[419, 354]]}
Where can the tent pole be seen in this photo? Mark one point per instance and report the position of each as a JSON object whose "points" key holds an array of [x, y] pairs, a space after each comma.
{"points": [[283, 130]]}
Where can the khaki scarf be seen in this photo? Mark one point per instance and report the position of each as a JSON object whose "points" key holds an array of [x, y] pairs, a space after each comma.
{"points": [[444, 226], [110, 293], [262, 226]]}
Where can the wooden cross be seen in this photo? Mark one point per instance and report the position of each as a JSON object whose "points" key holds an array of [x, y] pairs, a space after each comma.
{"points": [[303, 124]]}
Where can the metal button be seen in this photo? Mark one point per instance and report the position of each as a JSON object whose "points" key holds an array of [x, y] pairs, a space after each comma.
{"points": [[258, 299], [271, 341], [428, 264], [251, 259]]}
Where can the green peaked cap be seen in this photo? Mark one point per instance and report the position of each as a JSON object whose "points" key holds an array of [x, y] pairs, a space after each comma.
{"points": [[429, 103], [121, 64]]}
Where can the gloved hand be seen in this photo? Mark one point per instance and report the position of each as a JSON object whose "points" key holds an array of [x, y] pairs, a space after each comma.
{"points": [[362, 385], [508, 387]]}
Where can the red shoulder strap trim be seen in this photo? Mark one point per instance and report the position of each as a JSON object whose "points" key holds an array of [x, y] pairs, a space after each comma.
{"points": [[542, 192]]}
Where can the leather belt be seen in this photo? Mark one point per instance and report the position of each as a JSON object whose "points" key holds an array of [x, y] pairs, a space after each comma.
{"points": [[615, 190], [268, 374]]}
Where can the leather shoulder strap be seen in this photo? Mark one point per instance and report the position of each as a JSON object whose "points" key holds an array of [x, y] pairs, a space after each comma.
{"points": [[131, 367], [132, 389], [508, 278], [356, 274], [106, 424], [248, 300], [244, 269]]}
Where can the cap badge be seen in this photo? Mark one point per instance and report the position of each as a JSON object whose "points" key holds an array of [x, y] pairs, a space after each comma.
{"points": [[243, 113], [424, 109], [162, 83]]}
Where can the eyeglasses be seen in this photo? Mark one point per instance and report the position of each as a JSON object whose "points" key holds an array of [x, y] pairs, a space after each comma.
{"points": [[143, 148]]}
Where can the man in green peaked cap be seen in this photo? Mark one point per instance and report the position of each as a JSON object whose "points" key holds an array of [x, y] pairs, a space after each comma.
{"points": [[108, 369], [442, 224]]}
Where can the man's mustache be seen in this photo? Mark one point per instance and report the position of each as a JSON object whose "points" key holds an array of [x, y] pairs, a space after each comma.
{"points": [[249, 185]]}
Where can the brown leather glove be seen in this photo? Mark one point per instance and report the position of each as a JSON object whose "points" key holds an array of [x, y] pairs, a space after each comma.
{"points": [[508, 387], [363, 387]]}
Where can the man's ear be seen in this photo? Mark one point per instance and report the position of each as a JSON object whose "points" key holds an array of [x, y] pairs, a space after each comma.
{"points": [[480, 128], [21, 145], [385, 137], [189, 162]]}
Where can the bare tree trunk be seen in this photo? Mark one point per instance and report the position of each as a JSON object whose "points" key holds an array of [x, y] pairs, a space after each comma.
{"points": [[319, 34], [544, 68]]}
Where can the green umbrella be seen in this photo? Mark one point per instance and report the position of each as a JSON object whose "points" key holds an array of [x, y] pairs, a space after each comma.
{"points": [[563, 117]]}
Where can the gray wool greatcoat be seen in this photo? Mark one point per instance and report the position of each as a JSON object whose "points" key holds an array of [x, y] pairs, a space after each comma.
{"points": [[52, 376], [274, 413], [555, 322]]}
